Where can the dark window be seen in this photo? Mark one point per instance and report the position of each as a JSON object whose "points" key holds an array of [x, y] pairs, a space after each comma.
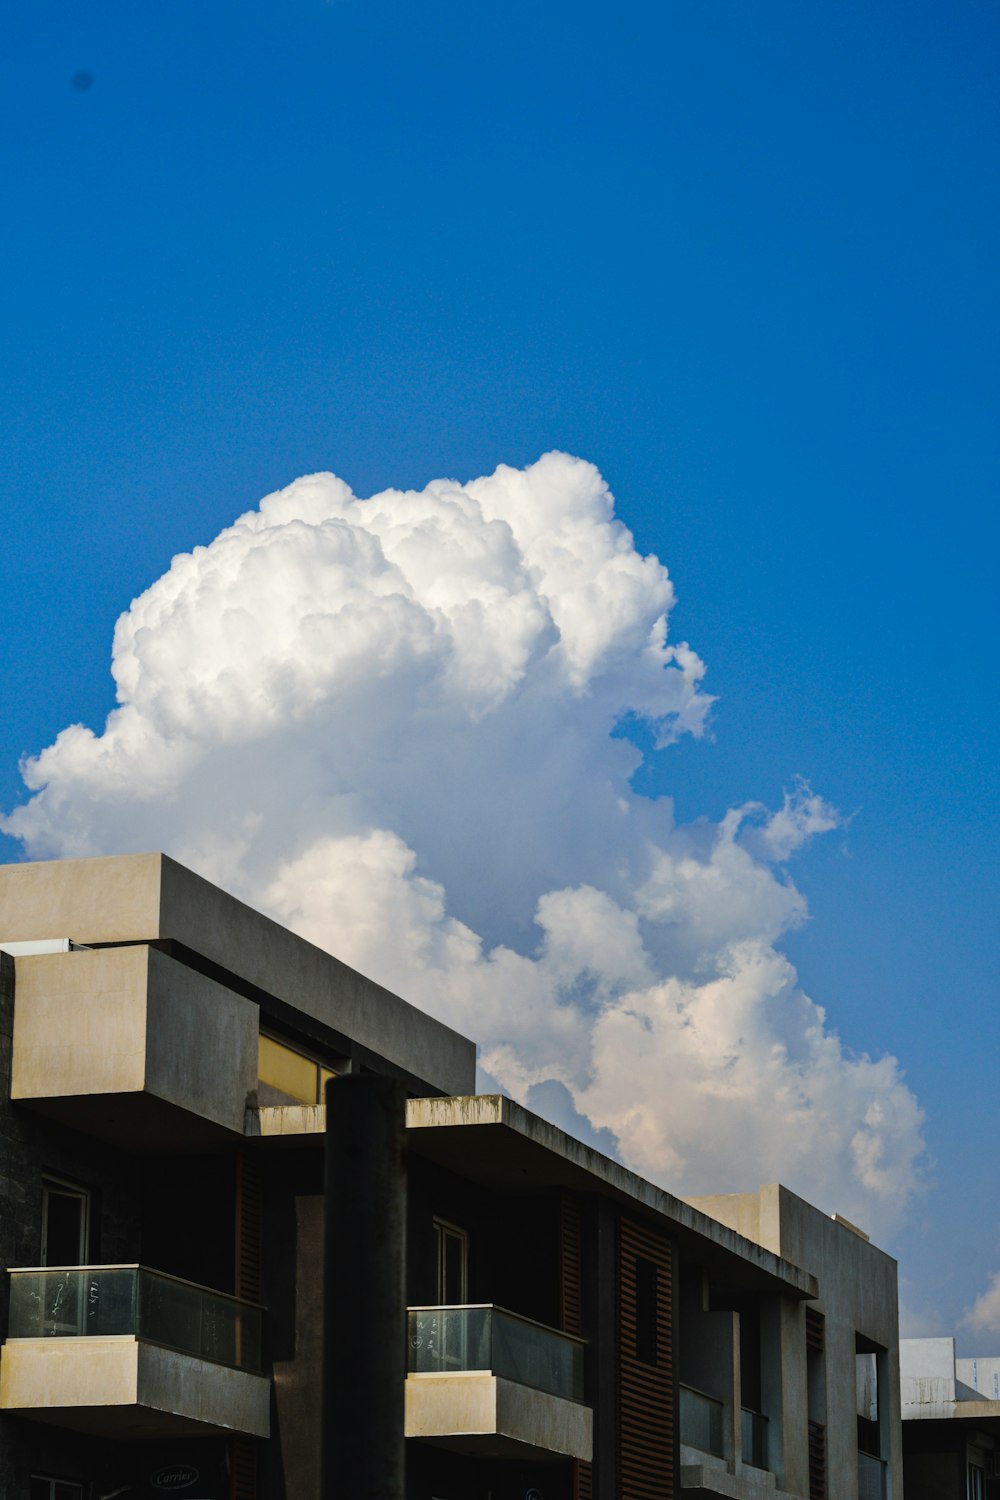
{"points": [[452, 1264], [646, 1322], [65, 1214]]}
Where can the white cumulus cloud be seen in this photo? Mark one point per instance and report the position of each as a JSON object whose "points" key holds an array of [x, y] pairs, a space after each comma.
{"points": [[399, 724], [984, 1314]]}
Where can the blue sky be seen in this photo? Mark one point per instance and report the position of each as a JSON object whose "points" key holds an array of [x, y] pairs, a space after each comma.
{"points": [[741, 258]]}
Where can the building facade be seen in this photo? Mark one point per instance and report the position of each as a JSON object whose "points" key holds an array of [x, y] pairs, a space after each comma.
{"points": [[951, 1422], [572, 1330]]}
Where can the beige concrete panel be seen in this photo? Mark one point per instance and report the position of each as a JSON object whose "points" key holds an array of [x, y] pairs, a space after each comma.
{"points": [[118, 1021], [40, 1373], [437, 1405], [741, 1211], [225, 1399], [292, 1119], [80, 1024], [201, 1041], [37, 1375], [445, 1405], [106, 900]]}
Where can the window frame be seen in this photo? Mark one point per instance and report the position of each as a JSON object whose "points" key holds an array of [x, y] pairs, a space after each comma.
{"points": [[63, 1187], [443, 1230], [323, 1070]]}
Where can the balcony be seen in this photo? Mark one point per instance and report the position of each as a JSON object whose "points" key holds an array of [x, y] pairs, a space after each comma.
{"points": [[701, 1421], [127, 1352], [128, 1044], [489, 1382], [753, 1432], [871, 1477]]}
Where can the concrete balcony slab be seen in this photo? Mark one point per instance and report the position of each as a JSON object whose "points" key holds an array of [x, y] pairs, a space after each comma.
{"points": [[480, 1413], [127, 1044], [126, 1388]]}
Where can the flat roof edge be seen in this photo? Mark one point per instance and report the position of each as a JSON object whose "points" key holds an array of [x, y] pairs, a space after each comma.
{"points": [[500, 1111]]}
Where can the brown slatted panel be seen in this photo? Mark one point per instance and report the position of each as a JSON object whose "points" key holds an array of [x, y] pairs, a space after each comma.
{"points": [[242, 1470], [571, 1266], [246, 1279], [815, 1330], [646, 1393], [583, 1481], [248, 1225], [571, 1308], [817, 1461]]}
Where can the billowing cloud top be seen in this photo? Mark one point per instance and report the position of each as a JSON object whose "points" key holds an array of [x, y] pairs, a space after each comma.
{"points": [[400, 725]]}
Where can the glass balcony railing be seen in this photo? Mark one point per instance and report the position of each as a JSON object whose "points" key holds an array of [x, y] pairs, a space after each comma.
{"points": [[105, 1301], [754, 1437], [444, 1339], [871, 1477], [701, 1421]]}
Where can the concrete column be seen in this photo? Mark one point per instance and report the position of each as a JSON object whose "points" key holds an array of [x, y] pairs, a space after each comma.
{"points": [[364, 1311]]}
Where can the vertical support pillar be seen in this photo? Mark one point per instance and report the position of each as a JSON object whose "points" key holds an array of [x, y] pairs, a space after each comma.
{"points": [[364, 1311]]}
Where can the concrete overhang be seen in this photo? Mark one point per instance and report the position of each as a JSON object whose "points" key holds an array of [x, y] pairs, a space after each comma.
{"points": [[144, 898], [751, 1484], [952, 1411], [495, 1141], [125, 1388], [288, 1122], [492, 1140], [126, 1044], [478, 1413]]}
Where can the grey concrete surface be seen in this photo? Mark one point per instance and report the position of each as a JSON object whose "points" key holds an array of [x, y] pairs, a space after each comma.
{"points": [[142, 897], [131, 1021], [858, 1295]]}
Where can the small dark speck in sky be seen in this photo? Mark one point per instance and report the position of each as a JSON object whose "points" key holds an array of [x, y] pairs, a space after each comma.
{"points": [[82, 81]]}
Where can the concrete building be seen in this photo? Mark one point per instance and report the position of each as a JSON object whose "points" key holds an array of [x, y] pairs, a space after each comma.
{"points": [[951, 1422], [841, 1381], [573, 1331]]}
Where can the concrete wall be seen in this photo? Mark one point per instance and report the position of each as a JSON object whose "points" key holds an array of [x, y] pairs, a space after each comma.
{"points": [[89, 900], [927, 1373], [857, 1295], [129, 1020], [981, 1375], [142, 897], [201, 1042]]}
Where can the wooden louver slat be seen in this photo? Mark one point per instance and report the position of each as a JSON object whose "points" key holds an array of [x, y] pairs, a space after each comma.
{"points": [[242, 1470], [248, 1227], [817, 1461], [571, 1308], [647, 1440], [247, 1283]]}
